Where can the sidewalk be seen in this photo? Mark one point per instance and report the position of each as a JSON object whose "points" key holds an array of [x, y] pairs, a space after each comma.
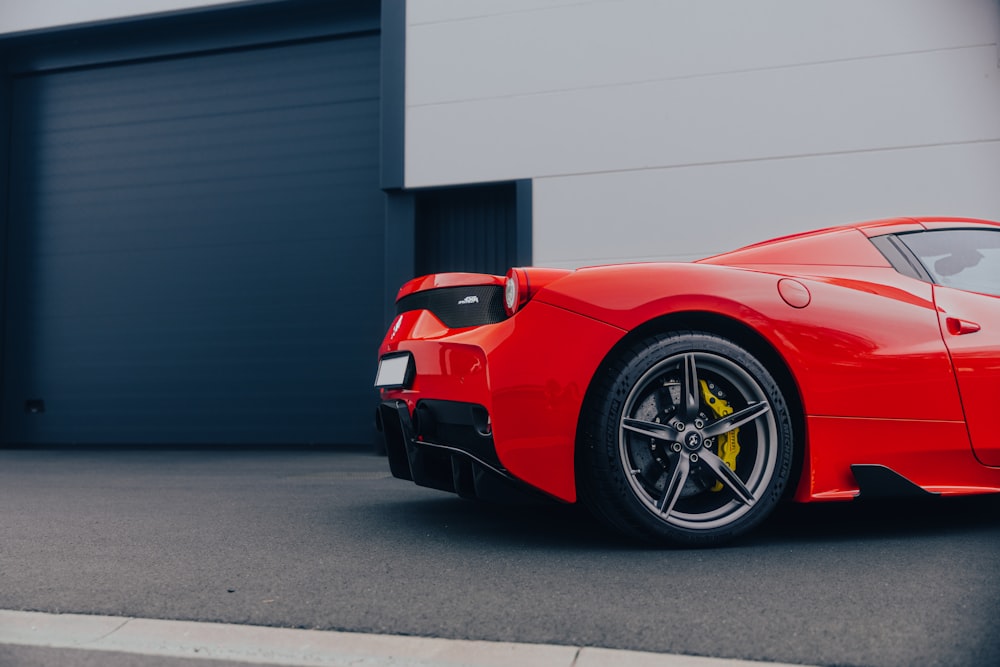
{"points": [[157, 643]]}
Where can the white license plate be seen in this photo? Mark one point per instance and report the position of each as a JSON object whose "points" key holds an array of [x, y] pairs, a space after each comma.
{"points": [[394, 370]]}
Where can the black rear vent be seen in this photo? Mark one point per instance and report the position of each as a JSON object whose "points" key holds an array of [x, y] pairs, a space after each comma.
{"points": [[459, 307]]}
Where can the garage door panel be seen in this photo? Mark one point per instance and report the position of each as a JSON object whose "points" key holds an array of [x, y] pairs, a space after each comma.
{"points": [[158, 204], [199, 249], [308, 133], [118, 227], [330, 211], [183, 277], [203, 86]]}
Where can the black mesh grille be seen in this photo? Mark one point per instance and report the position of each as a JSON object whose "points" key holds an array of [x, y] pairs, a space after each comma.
{"points": [[459, 307]]}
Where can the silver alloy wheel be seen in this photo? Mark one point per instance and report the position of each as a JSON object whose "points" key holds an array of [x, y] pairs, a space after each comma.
{"points": [[670, 434]]}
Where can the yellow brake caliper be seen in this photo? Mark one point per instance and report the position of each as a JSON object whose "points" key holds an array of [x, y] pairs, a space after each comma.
{"points": [[729, 444]]}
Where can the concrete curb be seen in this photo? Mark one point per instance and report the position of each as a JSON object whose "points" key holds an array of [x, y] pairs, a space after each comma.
{"points": [[308, 648]]}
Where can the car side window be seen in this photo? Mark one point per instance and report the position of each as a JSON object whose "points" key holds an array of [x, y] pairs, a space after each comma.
{"points": [[966, 259]]}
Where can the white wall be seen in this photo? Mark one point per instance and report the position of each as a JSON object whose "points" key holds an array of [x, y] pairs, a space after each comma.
{"points": [[680, 128], [27, 15]]}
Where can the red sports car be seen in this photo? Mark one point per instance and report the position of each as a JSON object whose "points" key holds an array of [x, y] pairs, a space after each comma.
{"points": [[681, 401]]}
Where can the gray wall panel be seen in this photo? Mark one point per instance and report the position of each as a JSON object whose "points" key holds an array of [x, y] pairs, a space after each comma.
{"points": [[672, 130]]}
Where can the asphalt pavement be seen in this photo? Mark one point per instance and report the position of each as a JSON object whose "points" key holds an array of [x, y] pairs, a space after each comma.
{"points": [[327, 540]]}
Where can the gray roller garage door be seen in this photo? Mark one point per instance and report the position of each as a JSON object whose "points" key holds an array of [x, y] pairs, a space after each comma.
{"points": [[196, 249]]}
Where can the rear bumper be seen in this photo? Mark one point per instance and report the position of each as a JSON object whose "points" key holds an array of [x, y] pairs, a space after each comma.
{"points": [[528, 373], [446, 445]]}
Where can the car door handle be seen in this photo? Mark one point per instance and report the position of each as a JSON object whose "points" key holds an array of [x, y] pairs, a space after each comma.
{"points": [[957, 327]]}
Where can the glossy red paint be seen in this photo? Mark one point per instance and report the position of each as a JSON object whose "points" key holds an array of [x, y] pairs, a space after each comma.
{"points": [[973, 346], [880, 378], [931, 454], [794, 293], [893, 226], [837, 247], [539, 363], [527, 281]]}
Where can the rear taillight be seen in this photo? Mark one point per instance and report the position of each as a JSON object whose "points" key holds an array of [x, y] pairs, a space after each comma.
{"points": [[522, 284], [515, 291]]}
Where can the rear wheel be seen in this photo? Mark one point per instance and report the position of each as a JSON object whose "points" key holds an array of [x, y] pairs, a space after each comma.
{"points": [[685, 439]]}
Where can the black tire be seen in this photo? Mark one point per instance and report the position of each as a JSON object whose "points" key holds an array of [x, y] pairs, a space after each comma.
{"points": [[658, 426]]}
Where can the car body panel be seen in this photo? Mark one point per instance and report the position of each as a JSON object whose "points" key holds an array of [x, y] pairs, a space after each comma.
{"points": [[830, 247], [864, 345], [539, 366], [889, 343], [977, 367], [889, 338], [934, 455]]}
